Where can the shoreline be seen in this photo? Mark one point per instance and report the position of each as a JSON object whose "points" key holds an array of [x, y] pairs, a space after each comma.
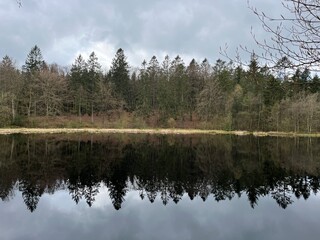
{"points": [[160, 131]]}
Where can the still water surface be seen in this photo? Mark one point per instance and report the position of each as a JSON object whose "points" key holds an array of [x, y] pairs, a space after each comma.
{"points": [[159, 187]]}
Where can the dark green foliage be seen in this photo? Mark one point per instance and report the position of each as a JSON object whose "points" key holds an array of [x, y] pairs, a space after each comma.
{"points": [[119, 76], [33, 65], [194, 86], [34, 62], [77, 85], [273, 91], [315, 84], [88, 87]]}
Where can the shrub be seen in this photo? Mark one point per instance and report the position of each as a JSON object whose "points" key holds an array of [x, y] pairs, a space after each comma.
{"points": [[171, 123]]}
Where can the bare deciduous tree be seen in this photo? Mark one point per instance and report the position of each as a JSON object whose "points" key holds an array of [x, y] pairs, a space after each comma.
{"points": [[51, 89], [10, 85], [295, 35]]}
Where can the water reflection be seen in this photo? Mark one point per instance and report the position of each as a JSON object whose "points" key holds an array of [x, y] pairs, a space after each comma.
{"points": [[165, 167]]}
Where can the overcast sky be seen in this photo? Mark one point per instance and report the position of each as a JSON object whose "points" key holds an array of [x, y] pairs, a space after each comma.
{"points": [[143, 28]]}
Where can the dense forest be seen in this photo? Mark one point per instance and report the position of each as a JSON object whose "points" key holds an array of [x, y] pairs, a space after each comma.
{"points": [[159, 168], [222, 95]]}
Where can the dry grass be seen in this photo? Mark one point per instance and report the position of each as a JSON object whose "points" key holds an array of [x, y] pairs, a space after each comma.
{"points": [[7, 131], [130, 123]]}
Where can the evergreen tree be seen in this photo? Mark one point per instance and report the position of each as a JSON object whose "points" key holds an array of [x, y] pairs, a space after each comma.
{"points": [[295, 83], [206, 71], [194, 85], [223, 72], [77, 82], [273, 91], [315, 84], [119, 76], [34, 61], [33, 65], [93, 75], [178, 80], [165, 68], [153, 75], [166, 91], [305, 79], [253, 78], [143, 90]]}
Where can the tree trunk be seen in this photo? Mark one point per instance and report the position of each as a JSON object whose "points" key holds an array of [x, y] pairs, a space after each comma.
{"points": [[91, 112], [79, 112], [29, 105], [12, 148], [47, 109], [35, 108], [13, 110]]}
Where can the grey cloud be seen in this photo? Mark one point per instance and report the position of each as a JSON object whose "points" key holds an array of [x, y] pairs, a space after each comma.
{"points": [[62, 29], [58, 217]]}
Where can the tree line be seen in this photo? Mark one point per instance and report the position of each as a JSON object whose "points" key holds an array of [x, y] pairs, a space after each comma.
{"points": [[222, 95]]}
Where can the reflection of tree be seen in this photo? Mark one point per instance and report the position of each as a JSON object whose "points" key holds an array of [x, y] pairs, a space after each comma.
{"points": [[282, 195], [314, 184], [176, 192], [7, 183], [90, 183], [253, 195], [31, 194], [6, 191], [117, 191], [117, 182], [83, 180], [75, 190], [151, 188], [302, 186], [222, 192], [204, 190], [164, 188], [221, 167]]}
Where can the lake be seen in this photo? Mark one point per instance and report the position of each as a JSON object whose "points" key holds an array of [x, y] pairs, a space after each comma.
{"points": [[122, 186]]}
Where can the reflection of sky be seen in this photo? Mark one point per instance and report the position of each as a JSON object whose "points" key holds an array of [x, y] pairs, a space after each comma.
{"points": [[58, 217]]}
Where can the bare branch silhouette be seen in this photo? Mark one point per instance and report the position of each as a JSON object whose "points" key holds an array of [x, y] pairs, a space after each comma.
{"points": [[294, 35]]}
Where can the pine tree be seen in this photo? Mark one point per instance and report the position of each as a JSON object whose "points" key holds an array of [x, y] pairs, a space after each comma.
{"points": [[253, 82], [193, 85], [153, 75], [93, 75], [178, 82], [33, 65], [315, 84], [305, 79], [34, 61], [166, 101], [77, 82], [119, 76], [143, 92]]}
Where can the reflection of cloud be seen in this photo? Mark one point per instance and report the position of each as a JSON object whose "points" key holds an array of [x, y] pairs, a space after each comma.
{"points": [[102, 199], [142, 220]]}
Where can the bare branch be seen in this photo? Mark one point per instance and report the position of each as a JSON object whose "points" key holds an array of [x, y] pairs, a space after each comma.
{"points": [[296, 35]]}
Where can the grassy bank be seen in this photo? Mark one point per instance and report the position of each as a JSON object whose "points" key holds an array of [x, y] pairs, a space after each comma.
{"points": [[126, 123], [8, 131]]}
